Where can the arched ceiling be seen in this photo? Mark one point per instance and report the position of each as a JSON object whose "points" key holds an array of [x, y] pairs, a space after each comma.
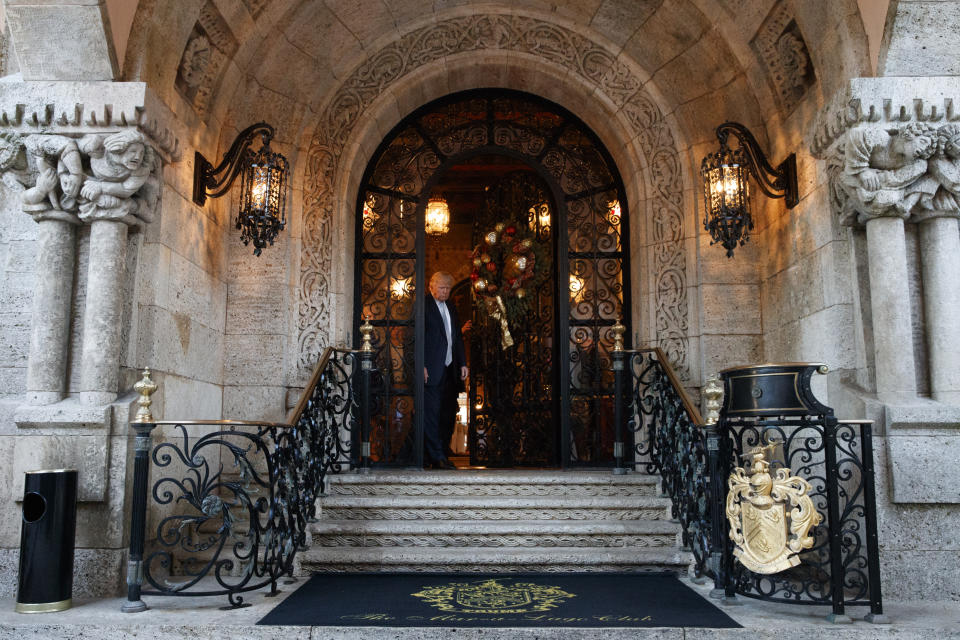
{"points": [[225, 63]]}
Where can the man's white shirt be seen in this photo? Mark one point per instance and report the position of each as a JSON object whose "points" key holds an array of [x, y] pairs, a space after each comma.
{"points": [[445, 314]]}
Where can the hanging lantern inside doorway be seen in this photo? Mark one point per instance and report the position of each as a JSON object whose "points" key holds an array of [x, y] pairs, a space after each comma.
{"points": [[437, 216]]}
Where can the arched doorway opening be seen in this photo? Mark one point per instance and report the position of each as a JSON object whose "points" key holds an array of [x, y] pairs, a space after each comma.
{"points": [[557, 377]]}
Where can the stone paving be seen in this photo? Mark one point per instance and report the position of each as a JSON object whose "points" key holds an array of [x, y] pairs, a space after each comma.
{"points": [[177, 618]]}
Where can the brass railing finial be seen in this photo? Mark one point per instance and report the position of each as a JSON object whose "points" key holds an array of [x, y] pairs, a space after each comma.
{"points": [[146, 388], [618, 330], [366, 334], [712, 399]]}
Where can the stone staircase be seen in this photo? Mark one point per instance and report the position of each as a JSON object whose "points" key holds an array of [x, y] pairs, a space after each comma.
{"points": [[494, 521]]}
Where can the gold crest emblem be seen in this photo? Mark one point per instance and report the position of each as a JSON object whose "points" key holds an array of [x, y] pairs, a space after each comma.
{"points": [[490, 596], [770, 515]]}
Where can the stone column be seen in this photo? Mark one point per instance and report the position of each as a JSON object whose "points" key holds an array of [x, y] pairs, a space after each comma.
{"points": [[940, 257], [892, 330], [100, 355], [47, 363]]}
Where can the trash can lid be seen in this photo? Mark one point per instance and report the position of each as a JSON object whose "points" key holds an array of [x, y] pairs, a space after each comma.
{"points": [[52, 471]]}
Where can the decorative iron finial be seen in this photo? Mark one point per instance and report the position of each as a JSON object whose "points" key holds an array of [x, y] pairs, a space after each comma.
{"points": [[618, 330], [712, 399], [366, 333], [146, 388]]}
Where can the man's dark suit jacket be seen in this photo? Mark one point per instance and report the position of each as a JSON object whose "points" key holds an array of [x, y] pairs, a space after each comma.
{"points": [[435, 347]]}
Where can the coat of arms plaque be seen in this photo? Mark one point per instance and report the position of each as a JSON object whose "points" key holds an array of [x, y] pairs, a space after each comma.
{"points": [[770, 515]]}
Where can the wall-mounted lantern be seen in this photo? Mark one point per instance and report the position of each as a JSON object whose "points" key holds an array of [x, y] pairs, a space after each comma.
{"points": [[726, 188], [263, 181]]}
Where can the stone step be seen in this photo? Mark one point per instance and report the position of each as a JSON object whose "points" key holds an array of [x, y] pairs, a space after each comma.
{"points": [[504, 560], [493, 508], [494, 533], [493, 483]]}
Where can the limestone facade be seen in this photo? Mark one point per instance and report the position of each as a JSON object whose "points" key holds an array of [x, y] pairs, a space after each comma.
{"points": [[108, 266]]}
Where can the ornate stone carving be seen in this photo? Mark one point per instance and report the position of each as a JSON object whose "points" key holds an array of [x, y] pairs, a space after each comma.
{"points": [[209, 48], [911, 172], [47, 170], [548, 42], [123, 182], [883, 171], [944, 169], [76, 108], [122, 165], [885, 102], [780, 47], [196, 58]]}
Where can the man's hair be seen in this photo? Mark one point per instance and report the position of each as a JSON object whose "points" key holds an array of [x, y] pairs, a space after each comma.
{"points": [[441, 275]]}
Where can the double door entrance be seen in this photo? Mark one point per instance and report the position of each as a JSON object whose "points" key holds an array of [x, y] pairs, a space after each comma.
{"points": [[520, 203]]}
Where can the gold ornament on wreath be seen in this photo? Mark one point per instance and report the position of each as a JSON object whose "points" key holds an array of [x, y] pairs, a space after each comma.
{"points": [[504, 271]]}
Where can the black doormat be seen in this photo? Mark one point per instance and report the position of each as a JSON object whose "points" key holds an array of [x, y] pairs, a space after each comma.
{"points": [[504, 600]]}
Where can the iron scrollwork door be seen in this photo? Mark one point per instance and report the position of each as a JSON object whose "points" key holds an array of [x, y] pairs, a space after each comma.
{"points": [[589, 291], [513, 397]]}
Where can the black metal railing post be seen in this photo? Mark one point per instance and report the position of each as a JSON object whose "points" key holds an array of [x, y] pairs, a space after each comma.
{"points": [[870, 520], [834, 532], [367, 365], [143, 425], [712, 402], [619, 365]]}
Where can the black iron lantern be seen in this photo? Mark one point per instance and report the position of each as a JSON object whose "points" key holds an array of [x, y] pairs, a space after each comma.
{"points": [[263, 185], [726, 185]]}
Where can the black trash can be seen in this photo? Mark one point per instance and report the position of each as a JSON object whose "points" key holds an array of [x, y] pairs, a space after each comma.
{"points": [[47, 541]]}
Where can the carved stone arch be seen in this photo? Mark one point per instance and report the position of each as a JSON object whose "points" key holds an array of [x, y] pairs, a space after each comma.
{"points": [[576, 61]]}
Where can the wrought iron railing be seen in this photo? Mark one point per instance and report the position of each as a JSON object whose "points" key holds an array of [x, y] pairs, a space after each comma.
{"points": [[228, 502], [772, 407], [667, 437], [664, 434]]}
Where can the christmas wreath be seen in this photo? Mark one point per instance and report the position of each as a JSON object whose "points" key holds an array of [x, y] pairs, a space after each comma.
{"points": [[505, 271]]}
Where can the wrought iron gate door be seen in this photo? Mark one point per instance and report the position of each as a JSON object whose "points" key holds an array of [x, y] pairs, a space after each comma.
{"points": [[513, 396], [589, 292]]}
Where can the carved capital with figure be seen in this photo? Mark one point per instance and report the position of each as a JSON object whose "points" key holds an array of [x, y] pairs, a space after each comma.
{"points": [[102, 176]]}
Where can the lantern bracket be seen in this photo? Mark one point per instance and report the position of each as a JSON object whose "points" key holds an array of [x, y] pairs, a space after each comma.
{"points": [[779, 182], [215, 181]]}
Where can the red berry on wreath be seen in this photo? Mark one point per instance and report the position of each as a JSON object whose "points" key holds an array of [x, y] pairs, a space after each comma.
{"points": [[491, 267], [511, 229], [474, 276]]}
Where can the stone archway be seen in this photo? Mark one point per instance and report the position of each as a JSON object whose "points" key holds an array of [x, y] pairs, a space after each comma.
{"points": [[615, 84]]}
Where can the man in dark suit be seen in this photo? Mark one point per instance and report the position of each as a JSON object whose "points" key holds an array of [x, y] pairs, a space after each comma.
{"points": [[445, 365]]}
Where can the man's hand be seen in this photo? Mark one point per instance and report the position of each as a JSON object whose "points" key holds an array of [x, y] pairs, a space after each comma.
{"points": [[464, 372], [426, 377]]}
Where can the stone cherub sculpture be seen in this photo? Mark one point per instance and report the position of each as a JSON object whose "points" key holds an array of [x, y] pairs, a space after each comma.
{"points": [[122, 164], [52, 180], [885, 171]]}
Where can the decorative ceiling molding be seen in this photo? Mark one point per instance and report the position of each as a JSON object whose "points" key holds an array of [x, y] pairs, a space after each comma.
{"points": [[550, 43]]}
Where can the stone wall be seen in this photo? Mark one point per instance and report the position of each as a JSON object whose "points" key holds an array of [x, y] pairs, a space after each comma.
{"points": [[233, 335]]}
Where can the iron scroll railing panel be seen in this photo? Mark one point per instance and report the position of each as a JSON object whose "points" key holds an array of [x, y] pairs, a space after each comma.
{"points": [[767, 405], [773, 406], [668, 440], [839, 569], [227, 503]]}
